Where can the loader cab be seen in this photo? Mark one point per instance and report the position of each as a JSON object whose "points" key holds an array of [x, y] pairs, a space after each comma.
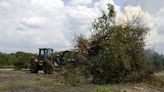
{"points": [[45, 53]]}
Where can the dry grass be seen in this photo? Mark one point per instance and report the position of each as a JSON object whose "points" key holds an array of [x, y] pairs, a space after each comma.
{"points": [[158, 79], [106, 88], [23, 81], [33, 81]]}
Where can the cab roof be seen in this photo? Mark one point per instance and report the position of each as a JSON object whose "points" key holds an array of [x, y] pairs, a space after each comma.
{"points": [[45, 48]]}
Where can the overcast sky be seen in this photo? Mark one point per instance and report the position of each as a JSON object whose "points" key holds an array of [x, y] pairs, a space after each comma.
{"points": [[26, 25]]}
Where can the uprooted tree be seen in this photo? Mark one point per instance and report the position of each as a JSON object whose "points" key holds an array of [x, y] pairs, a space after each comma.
{"points": [[114, 52]]}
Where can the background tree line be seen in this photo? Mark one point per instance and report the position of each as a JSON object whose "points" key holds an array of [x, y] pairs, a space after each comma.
{"points": [[16, 60], [21, 59]]}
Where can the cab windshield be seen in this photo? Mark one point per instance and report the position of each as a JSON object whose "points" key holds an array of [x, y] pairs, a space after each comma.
{"points": [[45, 52]]}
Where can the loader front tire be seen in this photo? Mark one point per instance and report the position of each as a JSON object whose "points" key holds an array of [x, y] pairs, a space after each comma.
{"points": [[48, 68], [34, 67]]}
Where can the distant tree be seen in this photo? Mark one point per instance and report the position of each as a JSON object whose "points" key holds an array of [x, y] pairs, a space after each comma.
{"points": [[3, 59], [156, 61], [22, 59]]}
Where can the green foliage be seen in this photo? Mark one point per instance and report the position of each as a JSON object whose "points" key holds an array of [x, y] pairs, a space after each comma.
{"points": [[118, 50], [71, 55], [114, 53], [55, 54], [7, 60], [74, 76]]}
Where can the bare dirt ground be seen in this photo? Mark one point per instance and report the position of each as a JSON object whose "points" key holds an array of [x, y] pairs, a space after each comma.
{"points": [[24, 81]]}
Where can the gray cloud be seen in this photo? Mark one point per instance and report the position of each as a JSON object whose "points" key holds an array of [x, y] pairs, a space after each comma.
{"points": [[155, 8], [30, 24], [152, 6]]}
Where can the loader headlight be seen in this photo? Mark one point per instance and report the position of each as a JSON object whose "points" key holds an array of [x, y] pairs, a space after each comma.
{"points": [[36, 60]]}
